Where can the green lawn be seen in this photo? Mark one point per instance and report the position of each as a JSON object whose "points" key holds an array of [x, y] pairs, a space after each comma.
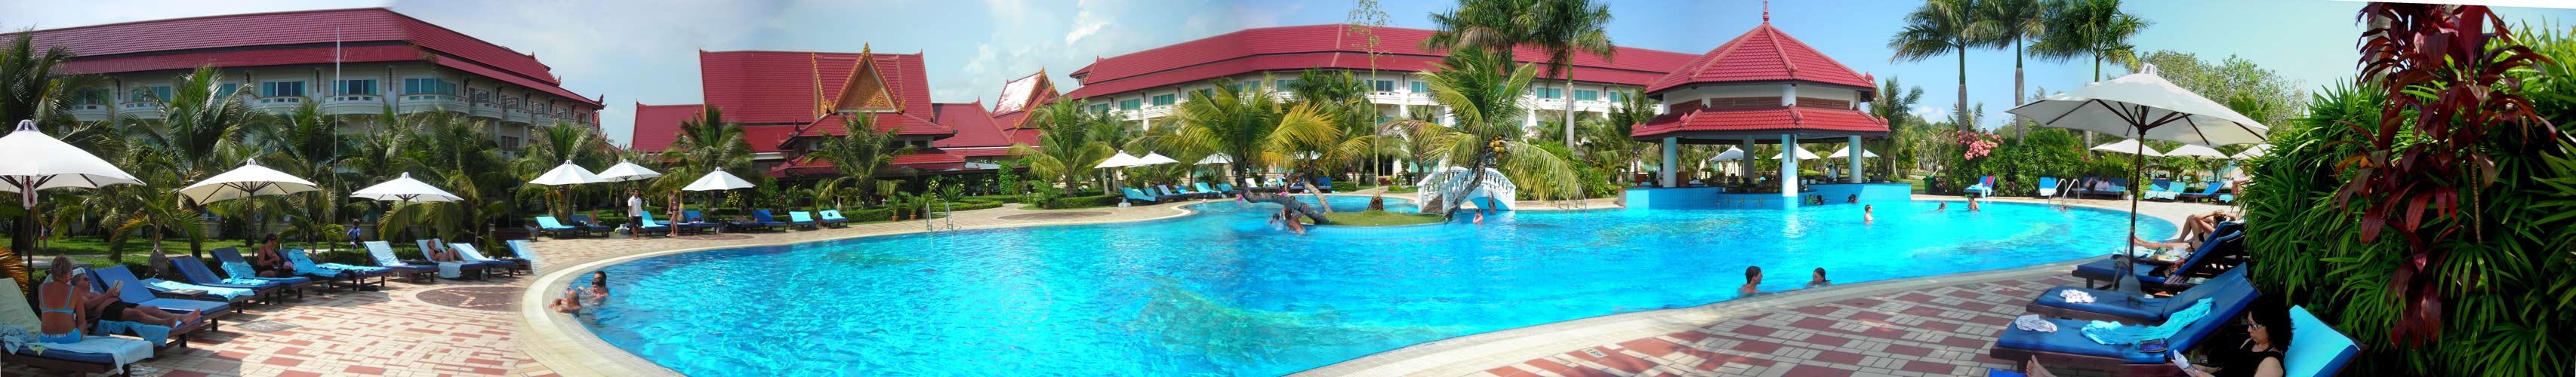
{"points": [[133, 246], [1378, 218]]}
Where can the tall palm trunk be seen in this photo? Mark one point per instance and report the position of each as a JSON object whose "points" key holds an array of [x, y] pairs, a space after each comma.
{"points": [[1963, 88], [2020, 131], [1568, 95]]}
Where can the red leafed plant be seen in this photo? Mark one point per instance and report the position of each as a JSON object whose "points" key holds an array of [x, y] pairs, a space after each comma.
{"points": [[2444, 68]]}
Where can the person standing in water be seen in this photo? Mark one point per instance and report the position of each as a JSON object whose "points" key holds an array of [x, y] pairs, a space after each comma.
{"points": [[1866, 215], [1819, 280], [1752, 282]]}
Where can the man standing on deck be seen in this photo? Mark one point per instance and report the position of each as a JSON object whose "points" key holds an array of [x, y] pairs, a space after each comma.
{"points": [[635, 213]]}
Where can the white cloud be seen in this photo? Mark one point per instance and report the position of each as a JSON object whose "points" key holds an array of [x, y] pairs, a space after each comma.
{"points": [[1931, 113]]}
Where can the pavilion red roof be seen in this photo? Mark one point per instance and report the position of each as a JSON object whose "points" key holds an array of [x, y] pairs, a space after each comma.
{"points": [[783, 87], [1764, 54], [233, 40], [657, 126], [1328, 46], [1759, 121]]}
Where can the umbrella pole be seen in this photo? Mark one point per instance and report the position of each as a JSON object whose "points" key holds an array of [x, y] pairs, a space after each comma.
{"points": [[2128, 279]]}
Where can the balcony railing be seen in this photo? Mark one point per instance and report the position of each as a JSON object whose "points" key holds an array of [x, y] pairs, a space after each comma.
{"points": [[487, 110], [419, 103], [519, 116], [141, 110], [353, 104], [92, 112]]}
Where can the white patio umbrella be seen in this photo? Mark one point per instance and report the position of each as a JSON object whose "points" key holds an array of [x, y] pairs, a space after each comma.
{"points": [[2257, 150], [627, 171], [2130, 146], [2190, 150], [717, 180], [1152, 158], [1803, 154], [1219, 158], [38, 162], [405, 189], [1731, 154], [247, 181], [1846, 153], [1119, 160], [2143, 106], [567, 174]]}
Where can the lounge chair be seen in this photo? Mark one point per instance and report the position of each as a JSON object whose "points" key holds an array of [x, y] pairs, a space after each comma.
{"points": [[2160, 189], [548, 225], [2047, 186], [525, 251], [1226, 189], [2117, 307], [65, 360], [802, 219], [356, 275], [1324, 183], [133, 293], [2206, 261], [1134, 195], [2315, 348], [196, 272], [233, 264], [383, 253], [186, 291], [594, 227], [1165, 193], [2205, 194], [1985, 187], [479, 270], [650, 227], [761, 218], [692, 221], [505, 264], [2069, 347], [1203, 190], [2107, 187], [831, 217]]}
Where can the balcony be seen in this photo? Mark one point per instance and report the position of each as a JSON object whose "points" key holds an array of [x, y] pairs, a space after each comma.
{"points": [[277, 105], [353, 104], [486, 110], [517, 115], [421, 103], [1151, 112], [141, 110], [92, 112]]}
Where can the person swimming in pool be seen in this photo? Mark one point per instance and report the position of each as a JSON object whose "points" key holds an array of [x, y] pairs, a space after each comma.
{"points": [[1972, 204], [1752, 282], [1866, 216], [1942, 207], [1819, 280], [577, 298]]}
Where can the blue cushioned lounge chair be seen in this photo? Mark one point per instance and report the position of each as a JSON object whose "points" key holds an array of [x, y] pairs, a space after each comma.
{"points": [[762, 219], [2113, 306], [356, 279], [2047, 186], [1984, 187], [802, 219], [2315, 348], [1204, 190], [66, 361], [1226, 188], [1134, 195], [2227, 240], [548, 225], [233, 264], [593, 227], [383, 253], [692, 221], [196, 272], [831, 217], [2205, 194], [134, 293], [652, 227], [506, 265], [2070, 348], [525, 251], [464, 269]]}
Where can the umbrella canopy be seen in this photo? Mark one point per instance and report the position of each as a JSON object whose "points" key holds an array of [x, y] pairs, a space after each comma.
{"points": [[2145, 106], [41, 162], [627, 171], [717, 181], [2257, 150], [2190, 150], [1219, 158], [1846, 153], [247, 181], [1118, 161], [567, 174], [2129, 146], [405, 189], [1731, 154], [1803, 154], [1152, 158]]}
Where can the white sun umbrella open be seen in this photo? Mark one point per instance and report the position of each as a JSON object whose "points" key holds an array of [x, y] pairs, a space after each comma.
{"points": [[38, 162], [717, 180], [627, 171], [2130, 146], [566, 174], [405, 189], [1731, 154], [2143, 106], [1846, 153], [1216, 158], [1152, 158], [2191, 150], [2258, 150], [247, 181], [1803, 154]]}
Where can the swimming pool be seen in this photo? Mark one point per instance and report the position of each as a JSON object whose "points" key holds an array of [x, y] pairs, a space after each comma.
{"points": [[1221, 293]]}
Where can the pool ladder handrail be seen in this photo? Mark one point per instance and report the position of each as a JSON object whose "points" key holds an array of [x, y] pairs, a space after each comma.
{"points": [[946, 213]]}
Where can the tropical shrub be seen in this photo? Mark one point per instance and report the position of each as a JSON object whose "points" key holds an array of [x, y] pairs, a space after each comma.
{"points": [[1082, 201]]}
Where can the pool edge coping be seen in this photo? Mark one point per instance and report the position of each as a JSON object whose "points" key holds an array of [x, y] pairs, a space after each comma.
{"points": [[568, 348]]}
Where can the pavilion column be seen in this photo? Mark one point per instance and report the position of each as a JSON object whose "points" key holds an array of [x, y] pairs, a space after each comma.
{"points": [[1856, 154], [1672, 157], [1744, 164], [1788, 165]]}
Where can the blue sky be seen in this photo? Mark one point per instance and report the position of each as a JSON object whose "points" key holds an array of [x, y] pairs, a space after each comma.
{"points": [[645, 50]]}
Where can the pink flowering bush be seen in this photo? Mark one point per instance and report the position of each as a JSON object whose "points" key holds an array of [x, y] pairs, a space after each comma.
{"points": [[1978, 144]]}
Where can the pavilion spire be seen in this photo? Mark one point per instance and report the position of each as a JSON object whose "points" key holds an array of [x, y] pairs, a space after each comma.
{"points": [[1766, 11]]}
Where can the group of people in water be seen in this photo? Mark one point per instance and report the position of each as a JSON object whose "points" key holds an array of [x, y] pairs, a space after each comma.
{"points": [[1753, 281]]}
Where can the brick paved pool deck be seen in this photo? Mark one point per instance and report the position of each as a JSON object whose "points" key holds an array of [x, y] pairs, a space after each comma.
{"points": [[399, 331]]}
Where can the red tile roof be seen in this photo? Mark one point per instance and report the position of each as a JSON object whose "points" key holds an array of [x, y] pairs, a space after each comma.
{"points": [[1765, 54], [1758, 121], [975, 128], [252, 58], [1300, 47], [927, 156], [299, 30], [766, 139], [657, 126], [781, 87], [480, 70]]}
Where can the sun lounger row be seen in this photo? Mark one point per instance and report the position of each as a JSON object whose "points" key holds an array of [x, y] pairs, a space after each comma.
{"points": [[2180, 321], [1166, 193]]}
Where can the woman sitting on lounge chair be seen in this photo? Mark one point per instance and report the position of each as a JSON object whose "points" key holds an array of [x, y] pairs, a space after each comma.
{"points": [[2267, 333], [574, 299], [270, 264], [104, 306], [58, 306]]}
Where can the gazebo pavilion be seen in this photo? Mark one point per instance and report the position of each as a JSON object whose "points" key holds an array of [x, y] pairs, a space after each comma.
{"points": [[1763, 87]]}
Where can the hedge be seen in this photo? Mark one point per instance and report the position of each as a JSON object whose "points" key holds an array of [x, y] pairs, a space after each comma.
{"points": [[992, 198], [1345, 186], [1083, 202]]}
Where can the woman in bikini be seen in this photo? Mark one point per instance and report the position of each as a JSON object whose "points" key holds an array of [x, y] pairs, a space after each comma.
{"points": [[270, 264], [58, 306]]}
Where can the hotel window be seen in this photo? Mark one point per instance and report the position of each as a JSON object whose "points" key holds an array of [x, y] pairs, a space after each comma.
{"points": [[1100, 108], [482, 95], [1164, 100], [1618, 96], [428, 86], [1284, 84], [1550, 93], [151, 94], [1421, 87], [227, 90], [359, 87], [1207, 93], [91, 96], [1131, 104], [1385, 85], [509, 142], [281, 89], [510, 102], [1587, 95], [1248, 85]]}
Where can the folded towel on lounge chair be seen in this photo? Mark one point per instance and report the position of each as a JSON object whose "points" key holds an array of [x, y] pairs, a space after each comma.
{"points": [[2120, 333], [117, 351], [2075, 296], [227, 293], [155, 334], [2032, 322]]}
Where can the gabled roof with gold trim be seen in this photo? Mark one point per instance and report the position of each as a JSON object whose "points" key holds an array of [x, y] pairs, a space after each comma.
{"points": [[1021, 97]]}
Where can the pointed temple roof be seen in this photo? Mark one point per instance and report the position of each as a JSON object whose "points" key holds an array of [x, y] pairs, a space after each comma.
{"points": [[1021, 97], [1765, 54]]}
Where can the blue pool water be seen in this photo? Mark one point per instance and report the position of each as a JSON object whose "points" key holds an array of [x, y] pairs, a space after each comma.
{"points": [[1221, 293]]}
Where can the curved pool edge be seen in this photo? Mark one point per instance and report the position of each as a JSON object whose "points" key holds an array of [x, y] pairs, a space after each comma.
{"points": [[1470, 354], [568, 348]]}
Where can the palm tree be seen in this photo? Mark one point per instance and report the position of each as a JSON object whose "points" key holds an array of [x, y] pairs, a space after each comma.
{"points": [[1491, 25], [706, 143], [1606, 138], [1896, 104], [554, 144], [1487, 108], [1065, 152], [306, 143], [1563, 28], [863, 152], [192, 139], [1236, 122], [2094, 28], [2014, 22], [458, 156], [1942, 27]]}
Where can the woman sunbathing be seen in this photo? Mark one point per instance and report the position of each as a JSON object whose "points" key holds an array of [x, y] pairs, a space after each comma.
{"points": [[58, 307], [105, 306]]}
